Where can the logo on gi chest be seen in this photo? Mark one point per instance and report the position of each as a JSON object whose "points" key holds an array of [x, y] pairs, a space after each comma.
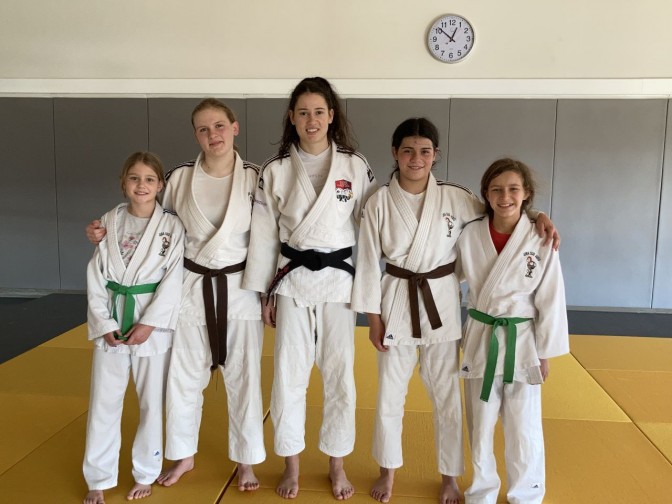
{"points": [[530, 262], [450, 222], [165, 243], [343, 190]]}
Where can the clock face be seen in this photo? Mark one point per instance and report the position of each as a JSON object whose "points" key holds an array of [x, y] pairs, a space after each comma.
{"points": [[450, 38]]}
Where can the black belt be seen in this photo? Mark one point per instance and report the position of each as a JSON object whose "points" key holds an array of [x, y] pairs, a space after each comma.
{"points": [[311, 259], [215, 320], [419, 280]]}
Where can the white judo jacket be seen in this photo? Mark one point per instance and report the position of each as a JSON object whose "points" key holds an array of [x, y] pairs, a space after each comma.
{"points": [[524, 280], [287, 209], [157, 259], [390, 231], [212, 247]]}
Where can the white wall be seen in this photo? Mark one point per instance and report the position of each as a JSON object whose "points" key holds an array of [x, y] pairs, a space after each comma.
{"points": [[369, 47]]}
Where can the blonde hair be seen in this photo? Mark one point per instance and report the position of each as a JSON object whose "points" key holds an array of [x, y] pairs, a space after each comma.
{"points": [[214, 103]]}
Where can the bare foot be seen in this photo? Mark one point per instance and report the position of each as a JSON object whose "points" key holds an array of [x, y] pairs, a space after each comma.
{"points": [[450, 494], [176, 471], [288, 487], [382, 488], [247, 481], [139, 491], [94, 497], [340, 485]]}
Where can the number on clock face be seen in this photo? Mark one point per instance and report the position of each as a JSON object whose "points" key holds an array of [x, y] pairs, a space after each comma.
{"points": [[450, 38]]}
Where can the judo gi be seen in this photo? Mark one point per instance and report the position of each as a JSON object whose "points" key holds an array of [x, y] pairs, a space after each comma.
{"points": [[524, 281], [391, 231], [238, 354], [314, 322], [156, 260]]}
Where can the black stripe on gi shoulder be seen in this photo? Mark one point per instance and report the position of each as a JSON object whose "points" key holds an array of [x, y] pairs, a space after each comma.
{"points": [[453, 184], [477, 219], [274, 158], [251, 166], [369, 171], [189, 164], [343, 150]]}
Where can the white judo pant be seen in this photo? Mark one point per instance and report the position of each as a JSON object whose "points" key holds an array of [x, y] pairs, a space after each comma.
{"points": [[324, 335], [519, 405], [439, 373], [190, 374], [109, 380]]}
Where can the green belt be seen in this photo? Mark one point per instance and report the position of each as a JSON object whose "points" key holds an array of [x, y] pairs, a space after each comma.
{"points": [[129, 304], [509, 357]]}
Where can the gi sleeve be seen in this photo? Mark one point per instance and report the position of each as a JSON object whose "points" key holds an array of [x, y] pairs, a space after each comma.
{"points": [[369, 186], [168, 195], [459, 269], [551, 331], [473, 208], [264, 249], [366, 289], [99, 316]]}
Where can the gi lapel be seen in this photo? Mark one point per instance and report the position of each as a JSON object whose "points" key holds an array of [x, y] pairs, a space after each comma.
{"points": [[429, 210], [141, 252], [319, 202], [408, 217], [113, 244], [501, 263], [419, 231], [237, 200], [196, 215]]}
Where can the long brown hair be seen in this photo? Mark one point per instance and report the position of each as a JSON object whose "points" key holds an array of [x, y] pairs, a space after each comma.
{"points": [[339, 130]]}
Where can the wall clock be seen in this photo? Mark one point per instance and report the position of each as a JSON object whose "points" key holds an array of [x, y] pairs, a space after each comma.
{"points": [[450, 38]]}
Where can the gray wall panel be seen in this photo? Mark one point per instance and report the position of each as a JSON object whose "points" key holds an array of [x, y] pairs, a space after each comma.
{"points": [[93, 138], [482, 131], [662, 286], [63, 156], [171, 134], [608, 167], [375, 120], [28, 224], [264, 127]]}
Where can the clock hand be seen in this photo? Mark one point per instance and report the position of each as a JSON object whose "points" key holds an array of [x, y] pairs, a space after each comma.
{"points": [[446, 34], [451, 36]]}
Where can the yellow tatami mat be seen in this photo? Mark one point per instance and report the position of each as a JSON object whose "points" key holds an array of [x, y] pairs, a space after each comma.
{"points": [[30, 420], [572, 393], [622, 352], [645, 396], [603, 462], [660, 434], [606, 409]]}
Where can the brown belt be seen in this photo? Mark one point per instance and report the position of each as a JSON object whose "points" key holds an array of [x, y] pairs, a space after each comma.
{"points": [[215, 320], [419, 281]]}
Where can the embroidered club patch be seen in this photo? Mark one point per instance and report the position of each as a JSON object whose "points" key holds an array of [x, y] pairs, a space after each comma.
{"points": [[343, 190], [530, 263], [165, 243], [450, 222]]}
